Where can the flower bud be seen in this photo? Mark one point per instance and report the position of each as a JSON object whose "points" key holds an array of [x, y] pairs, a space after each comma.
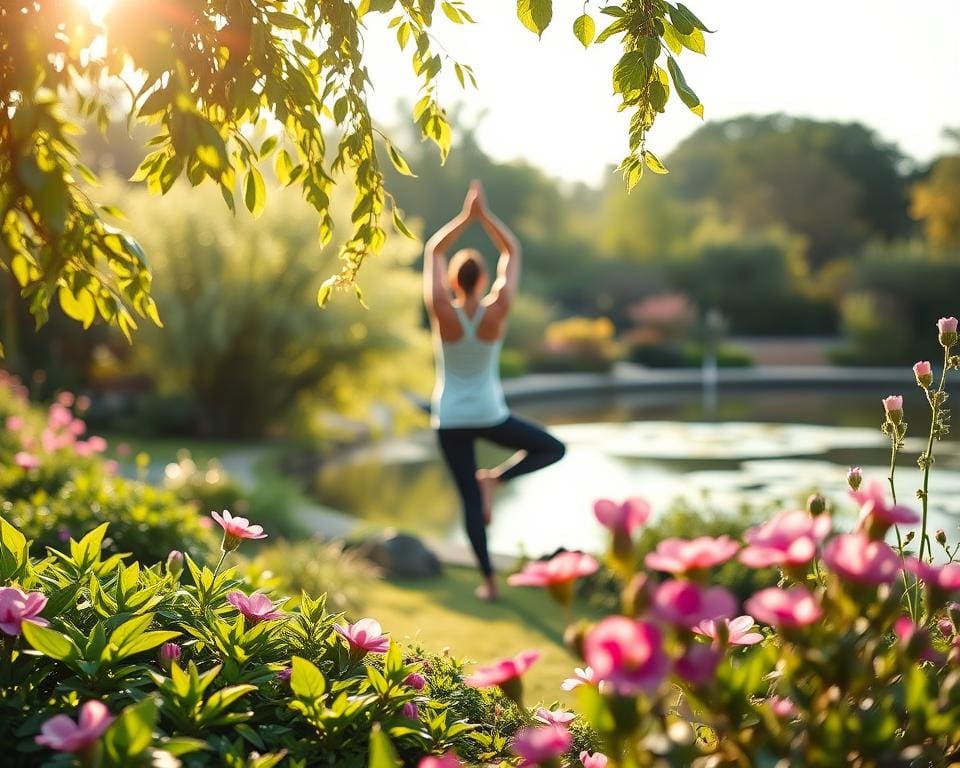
{"points": [[910, 537], [285, 674], [416, 681], [854, 478], [893, 407], [573, 637], [948, 331], [816, 504], [924, 373], [946, 627], [941, 537], [168, 654], [636, 595], [175, 563]]}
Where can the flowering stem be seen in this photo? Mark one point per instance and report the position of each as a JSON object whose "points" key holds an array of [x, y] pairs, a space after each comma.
{"points": [[926, 460], [203, 592], [223, 554], [894, 449]]}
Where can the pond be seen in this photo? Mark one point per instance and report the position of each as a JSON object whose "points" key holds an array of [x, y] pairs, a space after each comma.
{"points": [[760, 450]]}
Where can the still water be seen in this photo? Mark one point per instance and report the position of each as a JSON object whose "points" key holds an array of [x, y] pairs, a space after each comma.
{"points": [[760, 450]]}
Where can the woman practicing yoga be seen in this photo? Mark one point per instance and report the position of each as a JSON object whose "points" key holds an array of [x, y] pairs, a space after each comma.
{"points": [[468, 402]]}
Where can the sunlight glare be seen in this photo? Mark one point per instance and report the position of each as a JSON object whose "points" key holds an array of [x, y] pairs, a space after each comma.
{"points": [[97, 9]]}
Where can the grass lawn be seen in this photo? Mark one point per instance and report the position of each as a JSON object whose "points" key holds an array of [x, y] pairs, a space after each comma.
{"points": [[443, 613]]}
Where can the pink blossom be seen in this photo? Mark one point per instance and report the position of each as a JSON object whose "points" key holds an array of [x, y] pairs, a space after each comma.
{"points": [[123, 450], [363, 637], [64, 735], [285, 674], [627, 516], [682, 555], [26, 460], [235, 529], [856, 558], [916, 640], [97, 444], [563, 568], [876, 516], [553, 716], [924, 372], [17, 607], [410, 710], [416, 681], [77, 427], [854, 478], [686, 603], [539, 744], [83, 448], [255, 608], [788, 608], [65, 399], [738, 631], [947, 325], [893, 404], [83, 404], [169, 653], [502, 671], [626, 653], [581, 676], [698, 665], [14, 423], [788, 539], [449, 760], [945, 578], [111, 467], [596, 760], [782, 706], [59, 416]]}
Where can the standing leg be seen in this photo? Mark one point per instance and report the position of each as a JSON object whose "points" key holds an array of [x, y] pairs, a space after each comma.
{"points": [[457, 446]]}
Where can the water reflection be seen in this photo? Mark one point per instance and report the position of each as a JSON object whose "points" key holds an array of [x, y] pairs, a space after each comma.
{"points": [[660, 447]]}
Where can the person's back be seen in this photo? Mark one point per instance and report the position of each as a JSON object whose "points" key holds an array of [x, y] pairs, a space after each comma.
{"points": [[468, 392]]}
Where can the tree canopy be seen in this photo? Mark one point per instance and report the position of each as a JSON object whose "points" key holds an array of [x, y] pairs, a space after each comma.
{"points": [[228, 86]]}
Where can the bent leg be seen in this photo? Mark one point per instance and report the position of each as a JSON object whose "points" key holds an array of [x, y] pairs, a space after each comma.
{"points": [[457, 446], [536, 448]]}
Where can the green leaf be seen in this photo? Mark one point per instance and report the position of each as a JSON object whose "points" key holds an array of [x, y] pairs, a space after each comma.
{"points": [[400, 225], [80, 305], [132, 733], [50, 642], [691, 16], [382, 753], [651, 50], [130, 630], [630, 73], [653, 163], [149, 640], [399, 161], [535, 15], [254, 191], [584, 29], [613, 10], [687, 96], [268, 145], [323, 295], [306, 680], [451, 13]]}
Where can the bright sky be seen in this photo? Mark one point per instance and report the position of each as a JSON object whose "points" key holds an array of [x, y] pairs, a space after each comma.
{"points": [[892, 65]]}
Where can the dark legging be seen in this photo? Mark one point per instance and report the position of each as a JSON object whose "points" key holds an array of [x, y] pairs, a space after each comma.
{"points": [[457, 444]]}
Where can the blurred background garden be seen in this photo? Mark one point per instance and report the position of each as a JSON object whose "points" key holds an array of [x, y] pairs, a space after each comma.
{"points": [[805, 257]]}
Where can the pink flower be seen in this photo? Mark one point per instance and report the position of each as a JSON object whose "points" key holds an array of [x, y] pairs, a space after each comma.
{"points": [[788, 539], [923, 373], [738, 631], [947, 325], [686, 603], [856, 558], [793, 607], [698, 665], [415, 681], [255, 608], [17, 607], [235, 529], [97, 444], [916, 640], [553, 716], [26, 460], [284, 674], [65, 399], [893, 407], [596, 760], [682, 555], [581, 676], [64, 735], [782, 706], [537, 745], [111, 467], [410, 710], [556, 574], [363, 637], [502, 671], [123, 450], [14, 423], [59, 416], [169, 653], [77, 427], [626, 653], [627, 517], [945, 578], [854, 478], [449, 760], [876, 516], [82, 448]]}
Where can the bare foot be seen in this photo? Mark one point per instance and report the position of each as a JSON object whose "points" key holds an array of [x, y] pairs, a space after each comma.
{"points": [[487, 482], [487, 591]]}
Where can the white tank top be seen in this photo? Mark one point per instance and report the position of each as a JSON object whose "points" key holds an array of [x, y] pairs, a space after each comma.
{"points": [[468, 392]]}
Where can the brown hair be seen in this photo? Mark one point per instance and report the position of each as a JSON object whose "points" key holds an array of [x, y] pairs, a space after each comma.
{"points": [[466, 269]]}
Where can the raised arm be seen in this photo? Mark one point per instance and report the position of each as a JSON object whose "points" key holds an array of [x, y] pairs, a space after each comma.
{"points": [[436, 289], [505, 286]]}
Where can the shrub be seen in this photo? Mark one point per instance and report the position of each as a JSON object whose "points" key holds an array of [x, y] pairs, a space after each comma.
{"points": [[578, 344]]}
